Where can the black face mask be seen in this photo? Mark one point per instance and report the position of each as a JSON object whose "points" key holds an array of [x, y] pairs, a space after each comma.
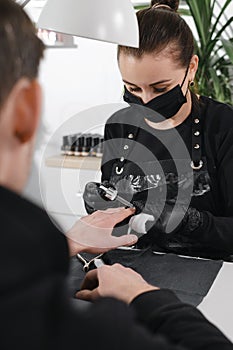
{"points": [[167, 104]]}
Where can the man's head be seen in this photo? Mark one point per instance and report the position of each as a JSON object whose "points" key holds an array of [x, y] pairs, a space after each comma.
{"points": [[20, 94]]}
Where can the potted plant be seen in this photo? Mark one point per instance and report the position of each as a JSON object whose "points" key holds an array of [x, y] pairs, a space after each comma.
{"points": [[214, 47]]}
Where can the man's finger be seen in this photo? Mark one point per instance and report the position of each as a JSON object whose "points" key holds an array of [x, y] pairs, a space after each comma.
{"points": [[88, 295], [90, 280], [125, 240], [107, 218], [113, 210], [122, 214]]}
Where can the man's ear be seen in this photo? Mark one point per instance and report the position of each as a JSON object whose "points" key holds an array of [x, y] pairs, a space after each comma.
{"points": [[27, 106]]}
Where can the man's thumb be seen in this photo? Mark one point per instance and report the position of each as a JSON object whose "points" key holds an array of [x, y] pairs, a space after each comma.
{"points": [[127, 240]]}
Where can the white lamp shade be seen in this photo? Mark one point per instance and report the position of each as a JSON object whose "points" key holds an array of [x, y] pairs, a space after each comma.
{"points": [[106, 20]]}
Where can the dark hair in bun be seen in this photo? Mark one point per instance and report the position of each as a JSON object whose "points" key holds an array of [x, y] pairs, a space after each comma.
{"points": [[162, 28], [173, 4]]}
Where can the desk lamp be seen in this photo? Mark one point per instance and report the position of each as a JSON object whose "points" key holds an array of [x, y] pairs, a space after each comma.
{"points": [[106, 20]]}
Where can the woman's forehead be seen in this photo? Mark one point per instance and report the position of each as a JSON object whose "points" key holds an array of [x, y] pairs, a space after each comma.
{"points": [[147, 69]]}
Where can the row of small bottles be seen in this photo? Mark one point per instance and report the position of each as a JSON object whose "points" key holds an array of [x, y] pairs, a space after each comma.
{"points": [[84, 145]]}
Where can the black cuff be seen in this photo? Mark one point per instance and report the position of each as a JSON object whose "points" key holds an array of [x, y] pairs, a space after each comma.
{"points": [[193, 220], [148, 303]]}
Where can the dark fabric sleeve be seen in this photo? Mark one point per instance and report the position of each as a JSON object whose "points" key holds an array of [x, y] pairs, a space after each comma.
{"points": [[181, 324], [110, 152], [111, 324], [108, 159], [216, 231]]}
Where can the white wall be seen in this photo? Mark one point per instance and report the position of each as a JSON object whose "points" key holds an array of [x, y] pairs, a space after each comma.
{"points": [[73, 79], [76, 79]]}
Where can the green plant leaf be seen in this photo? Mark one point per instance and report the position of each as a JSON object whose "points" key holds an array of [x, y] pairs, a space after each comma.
{"points": [[228, 46], [221, 31], [214, 50], [196, 9], [184, 12], [217, 21]]}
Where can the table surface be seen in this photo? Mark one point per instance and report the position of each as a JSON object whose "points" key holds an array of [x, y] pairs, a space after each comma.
{"points": [[73, 162], [217, 306]]}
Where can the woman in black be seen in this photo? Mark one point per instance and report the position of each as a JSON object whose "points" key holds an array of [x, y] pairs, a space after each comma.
{"points": [[170, 152]]}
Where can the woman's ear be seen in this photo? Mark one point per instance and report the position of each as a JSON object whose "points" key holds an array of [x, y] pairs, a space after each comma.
{"points": [[27, 107], [193, 66]]}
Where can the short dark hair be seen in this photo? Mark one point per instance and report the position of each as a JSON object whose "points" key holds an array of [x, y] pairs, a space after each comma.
{"points": [[160, 28], [20, 48]]}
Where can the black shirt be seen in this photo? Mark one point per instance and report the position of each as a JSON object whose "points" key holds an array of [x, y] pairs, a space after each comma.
{"points": [[133, 150]]}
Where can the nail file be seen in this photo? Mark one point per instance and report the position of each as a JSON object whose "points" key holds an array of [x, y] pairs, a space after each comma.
{"points": [[98, 262], [112, 194]]}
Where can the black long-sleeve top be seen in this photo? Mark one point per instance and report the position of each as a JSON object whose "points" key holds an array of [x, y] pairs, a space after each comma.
{"points": [[37, 314], [213, 184]]}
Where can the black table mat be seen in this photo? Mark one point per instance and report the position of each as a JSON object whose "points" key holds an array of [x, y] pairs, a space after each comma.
{"points": [[190, 278]]}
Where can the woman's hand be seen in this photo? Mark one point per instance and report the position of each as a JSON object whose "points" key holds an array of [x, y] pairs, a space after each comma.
{"points": [[167, 220], [93, 233], [94, 200], [138, 223]]}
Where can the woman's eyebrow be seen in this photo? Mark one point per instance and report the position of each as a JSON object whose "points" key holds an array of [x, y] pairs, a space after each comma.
{"points": [[160, 82], [127, 82], [156, 83]]}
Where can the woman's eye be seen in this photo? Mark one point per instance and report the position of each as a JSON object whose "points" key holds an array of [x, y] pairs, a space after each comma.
{"points": [[159, 90], [155, 90], [136, 89]]}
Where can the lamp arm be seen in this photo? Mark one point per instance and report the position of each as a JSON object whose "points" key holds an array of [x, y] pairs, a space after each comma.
{"points": [[23, 3]]}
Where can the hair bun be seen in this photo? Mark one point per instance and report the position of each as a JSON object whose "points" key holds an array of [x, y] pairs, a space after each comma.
{"points": [[173, 4]]}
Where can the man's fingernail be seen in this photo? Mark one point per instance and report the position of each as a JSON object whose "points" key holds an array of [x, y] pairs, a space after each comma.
{"points": [[133, 238]]}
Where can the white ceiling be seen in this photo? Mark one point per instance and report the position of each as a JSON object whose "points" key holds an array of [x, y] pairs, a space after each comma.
{"points": [[40, 3]]}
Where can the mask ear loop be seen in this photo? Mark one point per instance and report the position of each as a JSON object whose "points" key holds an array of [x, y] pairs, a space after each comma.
{"points": [[186, 72]]}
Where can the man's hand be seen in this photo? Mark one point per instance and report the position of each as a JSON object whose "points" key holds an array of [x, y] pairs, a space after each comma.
{"points": [[114, 281], [93, 233]]}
